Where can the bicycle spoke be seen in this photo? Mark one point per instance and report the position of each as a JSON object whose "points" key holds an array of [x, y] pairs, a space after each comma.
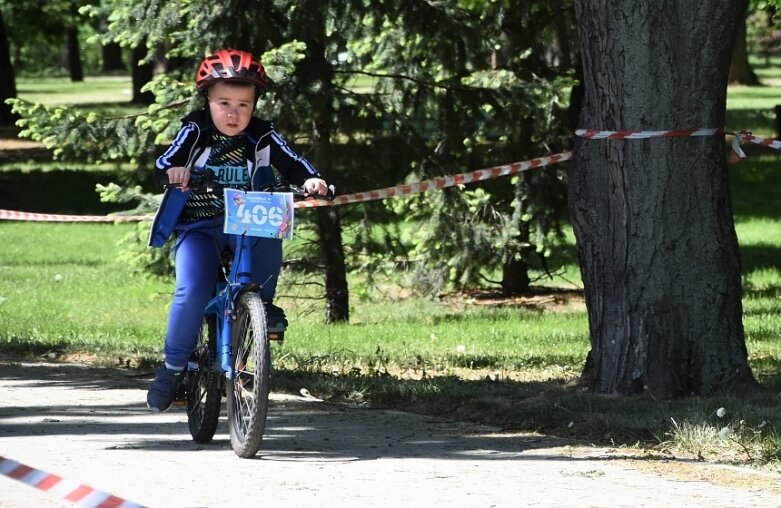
{"points": [[248, 394]]}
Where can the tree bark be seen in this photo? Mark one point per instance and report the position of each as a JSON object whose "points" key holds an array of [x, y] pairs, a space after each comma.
{"points": [[8, 83], [653, 218]]}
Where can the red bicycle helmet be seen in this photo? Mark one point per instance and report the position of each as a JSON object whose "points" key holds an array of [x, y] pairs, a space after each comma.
{"points": [[231, 65]]}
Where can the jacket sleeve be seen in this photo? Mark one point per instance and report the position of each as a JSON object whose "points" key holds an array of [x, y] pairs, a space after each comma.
{"points": [[291, 165], [178, 154]]}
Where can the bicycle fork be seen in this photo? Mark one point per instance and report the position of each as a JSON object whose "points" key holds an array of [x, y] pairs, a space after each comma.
{"points": [[223, 308], [224, 304]]}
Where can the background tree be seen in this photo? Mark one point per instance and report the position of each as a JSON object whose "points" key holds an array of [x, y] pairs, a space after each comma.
{"points": [[112, 58], [758, 33], [316, 78], [461, 84], [142, 72], [653, 218], [37, 26], [740, 70], [8, 83], [74, 54]]}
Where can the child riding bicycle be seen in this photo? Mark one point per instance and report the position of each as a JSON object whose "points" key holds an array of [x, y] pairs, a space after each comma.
{"points": [[241, 150]]}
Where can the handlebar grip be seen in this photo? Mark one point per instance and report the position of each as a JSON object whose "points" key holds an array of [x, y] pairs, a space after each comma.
{"points": [[199, 180], [162, 179]]}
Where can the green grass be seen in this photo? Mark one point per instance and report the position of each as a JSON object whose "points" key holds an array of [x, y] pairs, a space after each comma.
{"points": [[42, 191], [63, 289], [104, 95], [767, 68], [61, 91], [753, 107]]}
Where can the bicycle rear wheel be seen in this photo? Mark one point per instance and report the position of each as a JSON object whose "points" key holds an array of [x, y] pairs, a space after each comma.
{"points": [[248, 390], [203, 393]]}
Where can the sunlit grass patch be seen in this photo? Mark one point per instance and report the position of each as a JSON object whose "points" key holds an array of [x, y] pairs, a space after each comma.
{"points": [[725, 437]]}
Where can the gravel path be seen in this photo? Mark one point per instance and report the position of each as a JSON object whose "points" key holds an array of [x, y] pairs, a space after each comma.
{"points": [[91, 426]]}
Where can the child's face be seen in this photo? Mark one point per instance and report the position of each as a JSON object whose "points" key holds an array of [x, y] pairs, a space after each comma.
{"points": [[231, 106]]}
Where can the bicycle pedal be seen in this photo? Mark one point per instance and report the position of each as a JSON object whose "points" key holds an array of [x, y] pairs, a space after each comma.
{"points": [[180, 399]]}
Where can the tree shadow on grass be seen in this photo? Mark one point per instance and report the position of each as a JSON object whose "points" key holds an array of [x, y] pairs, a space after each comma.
{"points": [[760, 256], [553, 407], [61, 192], [754, 184], [755, 119]]}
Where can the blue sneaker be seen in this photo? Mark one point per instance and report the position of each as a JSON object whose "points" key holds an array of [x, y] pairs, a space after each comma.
{"points": [[162, 392], [275, 317]]}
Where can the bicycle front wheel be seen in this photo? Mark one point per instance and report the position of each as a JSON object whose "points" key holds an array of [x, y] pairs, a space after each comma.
{"points": [[248, 390]]}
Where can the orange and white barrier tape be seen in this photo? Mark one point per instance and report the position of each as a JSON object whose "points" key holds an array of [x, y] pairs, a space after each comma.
{"points": [[440, 183], [68, 490], [359, 197], [55, 217], [737, 141], [742, 136], [594, 134]]}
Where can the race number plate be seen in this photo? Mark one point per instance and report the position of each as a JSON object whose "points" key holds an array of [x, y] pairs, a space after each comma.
{"points": [[265, 214]]}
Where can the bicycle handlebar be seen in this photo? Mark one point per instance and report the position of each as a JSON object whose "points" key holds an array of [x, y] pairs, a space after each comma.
{"points": [[205, 180]]}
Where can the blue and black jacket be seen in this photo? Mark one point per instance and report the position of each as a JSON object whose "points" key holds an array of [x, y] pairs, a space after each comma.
{"points": [[190, 148]]}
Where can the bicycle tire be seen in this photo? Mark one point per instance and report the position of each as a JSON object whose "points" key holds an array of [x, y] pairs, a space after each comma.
{"points": [[203, 393], [249, 389]]}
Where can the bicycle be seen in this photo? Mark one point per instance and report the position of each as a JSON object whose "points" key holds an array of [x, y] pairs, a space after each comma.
{"points": [[232, 355]]}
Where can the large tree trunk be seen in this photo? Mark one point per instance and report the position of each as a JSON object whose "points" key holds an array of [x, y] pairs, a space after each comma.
{"points": [[653, 218], [8, 83], [319, 70]]}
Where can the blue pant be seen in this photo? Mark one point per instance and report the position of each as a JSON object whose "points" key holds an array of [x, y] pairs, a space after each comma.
{"points": [[197, 253]]}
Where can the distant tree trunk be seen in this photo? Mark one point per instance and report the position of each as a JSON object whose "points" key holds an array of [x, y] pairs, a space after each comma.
{"points": [[8, 83], [653, 218], [329, 226], [336, 294], [740, 70], [112, 58], [74, 55], [515, 276], [515, 266], [142, 74]]}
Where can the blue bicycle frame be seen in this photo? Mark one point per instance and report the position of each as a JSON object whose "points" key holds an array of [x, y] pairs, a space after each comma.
{"points": [[223, 305]]}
